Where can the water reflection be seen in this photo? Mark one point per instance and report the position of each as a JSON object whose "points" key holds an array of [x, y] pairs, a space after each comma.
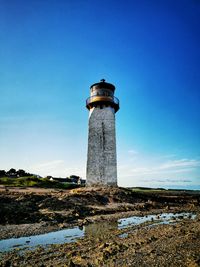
{"points": [[95, 230], [100, 229], [58, 237], [164, 218]]}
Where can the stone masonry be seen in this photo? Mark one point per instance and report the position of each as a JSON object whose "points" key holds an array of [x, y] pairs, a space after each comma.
{"points": [[101, 159]]}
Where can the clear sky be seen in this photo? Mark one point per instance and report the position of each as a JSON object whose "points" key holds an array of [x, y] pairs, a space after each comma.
{"points": [[52, 51]]}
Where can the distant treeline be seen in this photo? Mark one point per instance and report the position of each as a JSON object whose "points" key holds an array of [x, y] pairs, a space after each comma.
{"points": [[14, 173]]}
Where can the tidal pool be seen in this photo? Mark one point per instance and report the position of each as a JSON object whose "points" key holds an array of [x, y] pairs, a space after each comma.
{"points": [[164, 218], [57, 237], [92, 230]]}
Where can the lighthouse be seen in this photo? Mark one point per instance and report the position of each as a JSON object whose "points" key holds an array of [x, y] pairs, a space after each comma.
{"points": [[101, 156]]}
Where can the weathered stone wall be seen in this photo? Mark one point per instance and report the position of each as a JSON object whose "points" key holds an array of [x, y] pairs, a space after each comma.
{"points": [[101, 159]]}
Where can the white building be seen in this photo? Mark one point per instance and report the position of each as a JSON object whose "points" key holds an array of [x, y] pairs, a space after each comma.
{"points": [[101, 158]]}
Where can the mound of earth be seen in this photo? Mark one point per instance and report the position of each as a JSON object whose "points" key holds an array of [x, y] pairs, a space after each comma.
{"points": [[79, 205], [68, 206]]}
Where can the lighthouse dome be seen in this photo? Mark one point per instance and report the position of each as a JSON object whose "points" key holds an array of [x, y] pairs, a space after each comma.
{"points": [[102, 85]]}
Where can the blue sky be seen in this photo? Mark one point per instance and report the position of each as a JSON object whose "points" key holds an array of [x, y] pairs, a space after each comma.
{"points": [[52, 51]]}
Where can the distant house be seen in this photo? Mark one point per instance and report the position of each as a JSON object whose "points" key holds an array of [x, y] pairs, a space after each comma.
{"points": [[72, 179], [60, 180], [83, 181], [75, 179]]}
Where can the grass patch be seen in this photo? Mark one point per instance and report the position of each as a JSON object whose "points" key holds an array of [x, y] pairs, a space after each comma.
{"points": [[147, 189], [34, 181]]}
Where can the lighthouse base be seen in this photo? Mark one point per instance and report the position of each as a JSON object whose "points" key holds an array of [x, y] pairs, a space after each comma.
{"points": [[101, 158]]}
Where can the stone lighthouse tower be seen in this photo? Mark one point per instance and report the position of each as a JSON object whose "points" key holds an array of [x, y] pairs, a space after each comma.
{"points": [[101, 158]]}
